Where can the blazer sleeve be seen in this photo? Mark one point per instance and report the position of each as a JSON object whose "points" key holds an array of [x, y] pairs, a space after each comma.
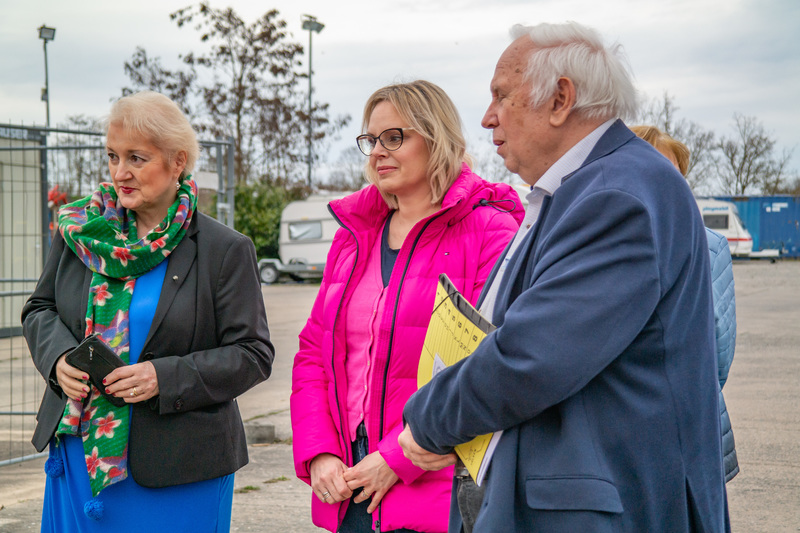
{"points": [[594, 275], [498, 229], [724, 302], [313, 428], [47, 335], [243, 355]]}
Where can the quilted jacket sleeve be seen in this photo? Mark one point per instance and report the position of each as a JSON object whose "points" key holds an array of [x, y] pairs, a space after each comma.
{"points": [[724, 302]]}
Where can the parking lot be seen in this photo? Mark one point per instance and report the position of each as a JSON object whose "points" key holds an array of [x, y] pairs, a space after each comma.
{"points": [[762, 394]]}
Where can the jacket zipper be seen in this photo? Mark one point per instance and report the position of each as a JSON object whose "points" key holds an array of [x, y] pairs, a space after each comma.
{"points": [[346, 445], [391, 343], [391, 340]]}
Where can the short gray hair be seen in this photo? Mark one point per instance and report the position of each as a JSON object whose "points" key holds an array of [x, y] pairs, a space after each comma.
{"points": [[158, 119], [602, 79]]}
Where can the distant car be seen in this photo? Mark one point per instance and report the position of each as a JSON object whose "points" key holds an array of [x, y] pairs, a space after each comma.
{"points": [[723, 217]]}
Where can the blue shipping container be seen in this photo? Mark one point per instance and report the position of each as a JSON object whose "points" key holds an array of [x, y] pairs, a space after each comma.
{"points": [[773, 221]]}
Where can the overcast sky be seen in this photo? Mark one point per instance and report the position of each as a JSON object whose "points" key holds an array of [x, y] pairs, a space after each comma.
{"points": [[715, 57]]}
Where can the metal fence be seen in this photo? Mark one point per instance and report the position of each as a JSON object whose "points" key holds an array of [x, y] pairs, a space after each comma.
{"points": [[41, 168]]}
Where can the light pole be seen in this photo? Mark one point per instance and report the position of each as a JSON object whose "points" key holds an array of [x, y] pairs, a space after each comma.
{"points": [[46, 34], [312, 25]]}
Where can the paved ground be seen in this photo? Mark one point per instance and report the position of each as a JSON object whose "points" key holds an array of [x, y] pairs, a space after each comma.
{"points": [[763, 396]]}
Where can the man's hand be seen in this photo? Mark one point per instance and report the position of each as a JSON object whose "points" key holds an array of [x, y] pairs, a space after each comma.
{"points": [[420, 456]]}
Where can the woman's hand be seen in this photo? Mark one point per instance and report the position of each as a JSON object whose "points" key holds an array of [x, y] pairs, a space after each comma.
{"points": [[72, 381], [374, 475], [133, 383], [326, 478]]}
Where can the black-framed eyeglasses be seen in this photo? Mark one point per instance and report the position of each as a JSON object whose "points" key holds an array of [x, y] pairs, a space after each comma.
{"points": [[391, 139]]}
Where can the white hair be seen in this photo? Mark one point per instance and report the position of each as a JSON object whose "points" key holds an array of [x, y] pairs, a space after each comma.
{"points": [[159, 120], [602, 80]]}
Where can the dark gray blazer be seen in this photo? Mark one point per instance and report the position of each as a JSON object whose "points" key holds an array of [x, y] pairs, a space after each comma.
{"points": [[209, 343]]}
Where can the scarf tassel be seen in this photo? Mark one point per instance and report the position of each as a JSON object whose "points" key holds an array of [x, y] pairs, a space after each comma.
{"points": [[54, 466], [94, 509]]}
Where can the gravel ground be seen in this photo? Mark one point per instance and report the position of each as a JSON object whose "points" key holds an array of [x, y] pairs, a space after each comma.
{"points": [[761, 393]]}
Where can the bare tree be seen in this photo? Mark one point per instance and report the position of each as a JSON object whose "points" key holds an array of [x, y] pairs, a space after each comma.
{"points": [[79, 170], [747, 162], [244, 85], [700, 141], [147, 72], [791, 187], [348, 172], [490, 166]]}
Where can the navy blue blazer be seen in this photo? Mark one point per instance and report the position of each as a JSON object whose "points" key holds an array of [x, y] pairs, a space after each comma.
{"points": [[602, 372]]}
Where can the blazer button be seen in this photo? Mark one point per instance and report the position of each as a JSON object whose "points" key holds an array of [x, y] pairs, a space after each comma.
{"points": [[178, 405], [148, 356]]}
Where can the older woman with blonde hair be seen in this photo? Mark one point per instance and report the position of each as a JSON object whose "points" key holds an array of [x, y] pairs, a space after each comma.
{"points": [[152, 445], [424, 213]]}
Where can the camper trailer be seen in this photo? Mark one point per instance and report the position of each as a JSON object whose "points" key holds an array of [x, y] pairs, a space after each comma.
{"points": [[306, 233], [723, 217]]}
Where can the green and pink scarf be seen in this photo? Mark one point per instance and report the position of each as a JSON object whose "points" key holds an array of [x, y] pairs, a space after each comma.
{"points": [[103, 235]]}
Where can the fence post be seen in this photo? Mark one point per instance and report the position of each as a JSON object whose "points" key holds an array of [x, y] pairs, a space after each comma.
{"points": [[231, 189], [222, 209], [45, 210]]}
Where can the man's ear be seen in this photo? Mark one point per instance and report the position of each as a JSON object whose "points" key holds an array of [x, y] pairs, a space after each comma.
{"points": [[563, 101]]}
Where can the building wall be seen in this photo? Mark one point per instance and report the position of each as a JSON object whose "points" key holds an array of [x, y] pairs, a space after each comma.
{"points": [[773, 221], [20, 226]]}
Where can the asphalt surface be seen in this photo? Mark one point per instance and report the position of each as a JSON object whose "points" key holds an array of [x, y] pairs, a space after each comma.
{"points": [[762, 394]]}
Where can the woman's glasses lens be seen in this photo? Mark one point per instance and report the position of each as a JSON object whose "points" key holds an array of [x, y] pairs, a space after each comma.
{"points": [[391, 139], [366, 143]]}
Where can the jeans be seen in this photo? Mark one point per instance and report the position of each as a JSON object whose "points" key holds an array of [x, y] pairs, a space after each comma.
{"points": [[469, 497], [357, 519]]}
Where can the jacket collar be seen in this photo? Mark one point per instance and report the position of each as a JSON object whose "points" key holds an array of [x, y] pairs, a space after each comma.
{"points": [[365, 209], [180, 262], [617, 135]]}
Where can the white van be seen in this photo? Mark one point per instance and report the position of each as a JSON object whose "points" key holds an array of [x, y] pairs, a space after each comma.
{"points": [[723, 217], [306, 233]]}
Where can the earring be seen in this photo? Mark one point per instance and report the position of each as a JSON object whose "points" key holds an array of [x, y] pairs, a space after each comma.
{"points": [[177, 185]]}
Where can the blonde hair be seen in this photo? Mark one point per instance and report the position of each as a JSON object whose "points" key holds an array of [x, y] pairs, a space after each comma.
{"points": [[158, 119], [663, 142], [427, 109]]}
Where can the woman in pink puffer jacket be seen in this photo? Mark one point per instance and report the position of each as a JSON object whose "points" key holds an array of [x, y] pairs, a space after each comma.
{"points": [[424, 213]]}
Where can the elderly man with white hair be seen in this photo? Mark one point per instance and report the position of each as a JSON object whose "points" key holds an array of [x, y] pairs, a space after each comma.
{"points": [[601, 373]]}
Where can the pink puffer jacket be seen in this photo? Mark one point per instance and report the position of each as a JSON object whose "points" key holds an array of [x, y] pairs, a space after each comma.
{"points": [[463, 239]]}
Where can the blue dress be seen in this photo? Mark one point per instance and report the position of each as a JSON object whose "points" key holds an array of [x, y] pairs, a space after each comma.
{"points": [[201, 507]]}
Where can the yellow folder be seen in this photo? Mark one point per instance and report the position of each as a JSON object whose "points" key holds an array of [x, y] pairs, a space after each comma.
{"points": [[455, 330]]}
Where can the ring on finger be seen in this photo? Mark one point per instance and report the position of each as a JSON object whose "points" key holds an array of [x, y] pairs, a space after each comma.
{"points": [[134, 393], [325, 495]]}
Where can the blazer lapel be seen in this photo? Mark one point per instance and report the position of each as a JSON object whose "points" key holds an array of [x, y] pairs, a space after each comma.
{"points": [[518, 275], [180, 262]]}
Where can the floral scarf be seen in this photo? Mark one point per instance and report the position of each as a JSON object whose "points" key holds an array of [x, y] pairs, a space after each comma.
{"points": [[103, 235]]}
